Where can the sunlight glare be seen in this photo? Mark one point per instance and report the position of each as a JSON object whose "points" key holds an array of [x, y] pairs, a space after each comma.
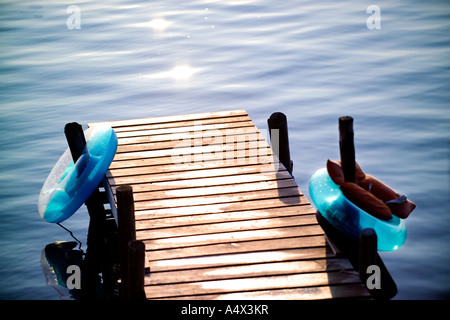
{"points": [[159, 24], [182, 72]]}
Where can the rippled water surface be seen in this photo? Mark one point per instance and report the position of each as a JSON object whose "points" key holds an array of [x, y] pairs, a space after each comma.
{"points": [[313, 60]]}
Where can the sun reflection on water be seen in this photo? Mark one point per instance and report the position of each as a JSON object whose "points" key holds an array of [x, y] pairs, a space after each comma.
{"points": [[159, 24]]}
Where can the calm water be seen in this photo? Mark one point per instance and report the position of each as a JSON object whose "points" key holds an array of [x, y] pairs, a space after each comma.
{"points": [[312, 60]]}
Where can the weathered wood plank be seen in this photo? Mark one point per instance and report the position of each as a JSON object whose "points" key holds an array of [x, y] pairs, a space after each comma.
{"points": [[247, 271], [175, 118], [224, 207], [211, 161], [190, 170], [249, 139], [236, 157], [164, 241], [248, 258], [237, 247], [181, 153], [197, 136], [196, 183], [225, 198], [147, 193], [224, 227], [180, 127], [145, 229], [209, 218], [307, 293], [252, 284]]}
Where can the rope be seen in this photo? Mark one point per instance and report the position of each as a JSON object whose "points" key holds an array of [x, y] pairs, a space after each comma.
{"points": [[70, 232]]}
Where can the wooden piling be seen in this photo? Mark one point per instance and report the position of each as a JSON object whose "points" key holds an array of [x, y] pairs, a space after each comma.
{"points": [[92, 265], [127, 231], [278, 130], [367, 254], [75, 139], [77, 143], [347, 148], [136, 270]]}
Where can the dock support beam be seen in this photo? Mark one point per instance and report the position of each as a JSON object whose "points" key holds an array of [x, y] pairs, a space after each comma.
{"points": [[95, 254], [362, 253], [136, 270], [372, 270], [75, 139], [131, 252], [278, 130], [367, 255], [347, 148]]}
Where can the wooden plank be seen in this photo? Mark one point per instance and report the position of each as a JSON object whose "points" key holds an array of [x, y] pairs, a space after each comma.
{"points": [[240, 157], [236, 259], [146, 232], [252, 284], [236, 247], [199, 219], [184, 171], [181, 153], [146, 192], [215, 199], [198, 135], [228, 180], [193, 140], [247, 271], [307, 293], [208, 183], [224, 207], [153, 166], [164, 241], [175, 118], [181, 127]]}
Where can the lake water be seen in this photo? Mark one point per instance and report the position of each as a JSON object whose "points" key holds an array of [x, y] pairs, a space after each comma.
{"points": [[312, 60]]}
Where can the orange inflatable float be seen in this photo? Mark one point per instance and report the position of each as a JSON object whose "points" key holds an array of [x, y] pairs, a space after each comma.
{"points": [[370, 194]]}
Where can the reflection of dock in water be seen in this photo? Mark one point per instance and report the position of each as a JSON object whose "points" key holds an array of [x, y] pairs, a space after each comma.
{"points": [[56, 257]]}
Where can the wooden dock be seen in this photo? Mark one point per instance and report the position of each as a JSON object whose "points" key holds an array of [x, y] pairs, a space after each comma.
{"points": [[219, 216]]}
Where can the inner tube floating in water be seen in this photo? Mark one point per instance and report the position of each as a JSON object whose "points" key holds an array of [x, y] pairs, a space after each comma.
{"points": [[350, 219], [69, 185]]}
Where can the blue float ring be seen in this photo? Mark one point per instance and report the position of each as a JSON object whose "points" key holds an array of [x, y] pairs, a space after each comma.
{"points": [[69, 185], [348, 218]]}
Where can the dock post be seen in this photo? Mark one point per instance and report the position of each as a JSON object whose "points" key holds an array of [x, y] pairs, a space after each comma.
{"points": [[382, 285], [136, 270], [127, 231], [75, 139], [278, 128], [95, 253], [347, 148], [367, 253]]}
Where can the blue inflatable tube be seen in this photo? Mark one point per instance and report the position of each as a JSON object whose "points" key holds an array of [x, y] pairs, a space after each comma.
{"points": [[348, 218], [69, 185]]}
